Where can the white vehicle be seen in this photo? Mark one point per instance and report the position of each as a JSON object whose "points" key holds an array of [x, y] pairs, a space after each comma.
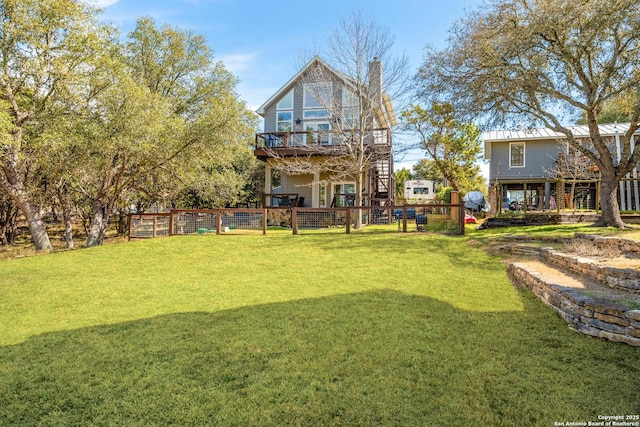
{"points": [[419, 191]]}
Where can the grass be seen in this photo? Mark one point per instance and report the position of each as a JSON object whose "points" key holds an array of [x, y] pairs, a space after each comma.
{"points": [[361, 329]]}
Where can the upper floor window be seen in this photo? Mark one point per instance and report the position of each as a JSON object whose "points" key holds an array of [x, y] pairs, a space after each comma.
{"points": [[316, 96], [350, 111], [516, 154], [318, 132], [285, 121], [286, 102]]}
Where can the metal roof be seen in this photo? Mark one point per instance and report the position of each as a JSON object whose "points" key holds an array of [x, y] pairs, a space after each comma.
{"points": [[581, 131]]}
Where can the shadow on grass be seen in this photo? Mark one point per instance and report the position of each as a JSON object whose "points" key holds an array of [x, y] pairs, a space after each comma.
{"points": [[371, 358]]}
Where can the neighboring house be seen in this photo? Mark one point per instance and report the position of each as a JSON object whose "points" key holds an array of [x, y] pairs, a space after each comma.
{"points": [[535, 169], [301, 129], [419, 191]]}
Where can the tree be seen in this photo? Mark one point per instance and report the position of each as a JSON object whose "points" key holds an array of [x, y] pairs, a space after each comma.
{"points": [[357, 51], [616, 110], [401, 176], [452, 147], [536, 60], [151, 116], [179, 66], [44, 45], [426, 169]]}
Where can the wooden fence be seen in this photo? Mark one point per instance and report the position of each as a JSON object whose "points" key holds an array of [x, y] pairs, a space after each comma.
{"points": [[439, 218]]}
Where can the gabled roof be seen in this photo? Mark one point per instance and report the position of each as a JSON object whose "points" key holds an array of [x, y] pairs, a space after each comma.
{"points": [[581, 131], [384, 113], [315, 61]]}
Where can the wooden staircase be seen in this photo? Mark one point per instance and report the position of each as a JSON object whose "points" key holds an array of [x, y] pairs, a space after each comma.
{"points": [[381, 183]]}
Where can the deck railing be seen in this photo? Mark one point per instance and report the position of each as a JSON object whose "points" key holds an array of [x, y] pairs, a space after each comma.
{"points": [[327, 138]]}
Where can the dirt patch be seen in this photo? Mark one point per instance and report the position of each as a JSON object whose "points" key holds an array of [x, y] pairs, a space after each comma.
{"points": [[626, 261]]}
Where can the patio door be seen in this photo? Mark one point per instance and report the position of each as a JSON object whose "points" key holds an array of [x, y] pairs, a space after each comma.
{"points": [[344, 194]]}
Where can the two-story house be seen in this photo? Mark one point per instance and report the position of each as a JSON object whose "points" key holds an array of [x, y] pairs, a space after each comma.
{"points": [[311, 135], [535, 169]]}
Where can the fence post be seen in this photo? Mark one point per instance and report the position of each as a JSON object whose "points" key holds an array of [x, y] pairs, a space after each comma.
{"points": [[294, 220], [458, 211], [264, 221], [171, 223], [155, 226], [455, 200], [218, 222], [129, 227], [404, 218], [348, 220]]}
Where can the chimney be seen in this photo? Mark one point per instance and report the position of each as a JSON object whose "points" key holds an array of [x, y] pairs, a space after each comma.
{"points": [[375, 81]]}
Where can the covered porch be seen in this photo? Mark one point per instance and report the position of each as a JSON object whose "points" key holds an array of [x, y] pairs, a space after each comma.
{"points": [[544, 195]]}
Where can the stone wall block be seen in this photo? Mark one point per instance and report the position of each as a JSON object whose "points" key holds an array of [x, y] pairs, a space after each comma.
{"points": [[587, 330], [596, 323], [612, 319], [633, 315], [620, 338]]}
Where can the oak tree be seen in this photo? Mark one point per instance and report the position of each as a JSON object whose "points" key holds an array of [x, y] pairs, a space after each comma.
{"points": [[539, 61]]}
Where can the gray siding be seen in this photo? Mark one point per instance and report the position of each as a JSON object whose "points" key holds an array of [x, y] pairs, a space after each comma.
{"points": [[270, 117], [540, 157]]}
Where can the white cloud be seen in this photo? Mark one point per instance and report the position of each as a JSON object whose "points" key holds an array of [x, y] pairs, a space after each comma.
{"points": [[238, 62], [102, 3]]}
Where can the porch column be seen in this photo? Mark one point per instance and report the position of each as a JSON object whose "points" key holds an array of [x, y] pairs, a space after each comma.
{"points": [[315, 190], [547, 195]]}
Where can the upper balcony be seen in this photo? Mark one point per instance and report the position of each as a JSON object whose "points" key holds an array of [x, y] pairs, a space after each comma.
{"points": [[272, 144]]}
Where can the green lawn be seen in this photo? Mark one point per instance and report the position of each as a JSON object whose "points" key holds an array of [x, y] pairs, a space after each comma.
{"points": [[361, 329]]}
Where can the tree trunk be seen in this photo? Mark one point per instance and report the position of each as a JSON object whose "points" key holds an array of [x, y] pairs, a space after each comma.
{"points": [[36, 225], [98, 226], [68, 230], [15, 187], [610, 216], [66, 216], [8, 221], [572, 194], [358, 202]]}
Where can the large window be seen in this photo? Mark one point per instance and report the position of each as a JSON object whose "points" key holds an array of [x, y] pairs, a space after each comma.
{"points": [[316, 101], [317, 132], [315, 114], [285, 121], [286, 102], [350, 111], [516, 155], [323, 195], [284, 112], [317, 95]]}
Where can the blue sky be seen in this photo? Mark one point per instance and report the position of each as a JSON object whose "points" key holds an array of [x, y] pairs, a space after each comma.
{"points": [[259, 41]]}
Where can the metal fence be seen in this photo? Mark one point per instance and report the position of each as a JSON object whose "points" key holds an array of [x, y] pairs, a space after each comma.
{"points": [[438, 218]]}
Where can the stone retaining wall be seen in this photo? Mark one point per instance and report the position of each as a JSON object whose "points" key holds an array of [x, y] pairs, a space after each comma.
{"points": [[624, 245], [590, 316], [626, 279]]}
